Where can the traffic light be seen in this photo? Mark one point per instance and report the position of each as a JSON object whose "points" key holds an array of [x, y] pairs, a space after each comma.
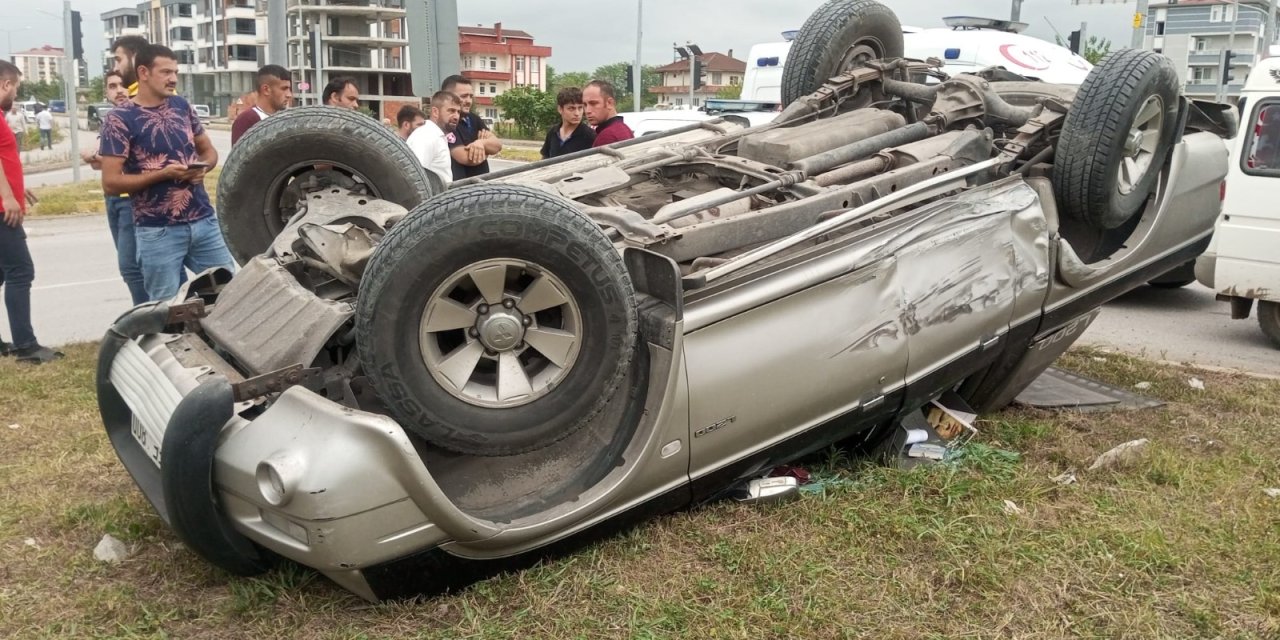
{"points": [[631, 82], [1073, 42], [1227, 75], [697, 74], [77, 38]]}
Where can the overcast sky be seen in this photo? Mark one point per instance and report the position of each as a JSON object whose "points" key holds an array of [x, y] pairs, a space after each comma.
{"points": [[584, 36]]}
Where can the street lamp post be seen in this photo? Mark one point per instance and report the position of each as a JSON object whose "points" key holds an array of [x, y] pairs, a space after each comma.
{"points": [[9, 33], [636, 73]]}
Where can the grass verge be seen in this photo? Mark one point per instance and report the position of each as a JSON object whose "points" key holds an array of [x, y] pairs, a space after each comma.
{"points": [[519, 154], [86, 197], [1180, 544]]}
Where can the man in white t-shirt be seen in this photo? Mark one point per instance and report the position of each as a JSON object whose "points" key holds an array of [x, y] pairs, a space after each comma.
{"points": [[44, 122], [17, 121], [430, 142]]}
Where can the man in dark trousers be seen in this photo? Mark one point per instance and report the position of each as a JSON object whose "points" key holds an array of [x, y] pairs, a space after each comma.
{"points": [[155, 149], [602, 112], [473, 143], [16, 269], [572, 134], [275, 94], [119, 208]]}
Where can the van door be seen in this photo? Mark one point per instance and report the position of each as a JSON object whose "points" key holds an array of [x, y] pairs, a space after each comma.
{"points": [[1247, 237]]}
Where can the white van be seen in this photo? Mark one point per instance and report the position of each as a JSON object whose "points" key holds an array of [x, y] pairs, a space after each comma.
{"points": [[1242, 262]]}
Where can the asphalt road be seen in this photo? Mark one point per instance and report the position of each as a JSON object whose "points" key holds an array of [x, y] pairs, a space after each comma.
{"points": [[77, 294]]}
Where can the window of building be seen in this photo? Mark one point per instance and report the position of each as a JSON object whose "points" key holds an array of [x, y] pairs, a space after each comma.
{"points": [[679, 102], [493, 63], [717, 78], [182, 10], [180, 33], [491, 114], [1200, 75], [697, 101], [1261, 154], [1159, 28], [243, 53], [480, 89], [244, 27], [1199, 44], [734, 80], [1215, 13], [519, 63]]}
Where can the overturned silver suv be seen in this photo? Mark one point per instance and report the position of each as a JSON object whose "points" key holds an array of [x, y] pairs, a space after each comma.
{"points": [[410, 388]]}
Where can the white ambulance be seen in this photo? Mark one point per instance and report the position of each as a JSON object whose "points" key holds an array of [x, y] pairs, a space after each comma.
{"points": [[1242, 262]]}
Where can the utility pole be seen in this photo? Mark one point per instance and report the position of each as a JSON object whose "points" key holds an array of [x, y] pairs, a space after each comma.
{"points": [[636, 73], [1223, 90], [318, 53], [69, 80], [693, 64], [1139, 25], [1015, 12], [1270, 36], [1084, 38]]}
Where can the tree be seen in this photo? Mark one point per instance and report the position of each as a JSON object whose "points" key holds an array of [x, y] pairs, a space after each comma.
{"points": [[616, 74], [44, 91], [577, 79], [97, 89], [531, 109], [1095, 49], [730, 92]]}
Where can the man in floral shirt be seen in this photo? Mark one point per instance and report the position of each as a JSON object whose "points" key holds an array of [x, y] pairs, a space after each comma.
{"points": [[155, 149]]}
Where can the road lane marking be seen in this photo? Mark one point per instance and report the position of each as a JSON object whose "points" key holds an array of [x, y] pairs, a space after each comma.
{"points": [[65, 285]]}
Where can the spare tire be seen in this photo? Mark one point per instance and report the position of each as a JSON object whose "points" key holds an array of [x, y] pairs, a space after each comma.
{"points": [[285, 156], [1116, 138], [495, 320], [837, 36]]}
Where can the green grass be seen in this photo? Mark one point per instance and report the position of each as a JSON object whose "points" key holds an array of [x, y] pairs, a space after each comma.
{"points": [[86, 197], [1181, 544]]}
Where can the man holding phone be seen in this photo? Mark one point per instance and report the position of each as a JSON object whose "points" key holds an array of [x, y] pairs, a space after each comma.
{"points": [[155, 149]]}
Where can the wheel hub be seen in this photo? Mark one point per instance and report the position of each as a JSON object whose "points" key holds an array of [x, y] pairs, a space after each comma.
{"points": [[1133, 143], [501, 329]]}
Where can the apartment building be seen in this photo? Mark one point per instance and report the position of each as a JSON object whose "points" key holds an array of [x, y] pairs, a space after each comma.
{"points": [[43, 64], [719, 70], [495, 60], [363, 39], [117, 23], [1193, 33], [218, 43]]}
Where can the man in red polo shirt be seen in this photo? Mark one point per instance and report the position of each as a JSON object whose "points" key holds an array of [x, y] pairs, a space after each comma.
{"points": [[602, 113], [16, 270]]}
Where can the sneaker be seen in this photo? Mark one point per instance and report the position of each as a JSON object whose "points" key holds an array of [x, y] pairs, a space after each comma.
{"points": [[36, 354], [5, 348]]}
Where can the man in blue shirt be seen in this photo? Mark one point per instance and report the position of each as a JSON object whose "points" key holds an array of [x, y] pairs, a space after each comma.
{"points": [[155, 149], [471, 144]]}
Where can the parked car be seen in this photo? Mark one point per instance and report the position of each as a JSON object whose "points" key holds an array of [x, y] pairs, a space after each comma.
{"points": [[31, 107], [1242, 264], [409, 388], [202, 111], [58, 106], [96, 113]]}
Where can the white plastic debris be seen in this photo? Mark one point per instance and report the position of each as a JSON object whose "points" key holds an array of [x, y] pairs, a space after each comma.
{"points": [[30, 542], [110, 549], [1099, 359], [15, 426], [1011, 508], [1196, 383], [1065, 478], [1120, 455], [1142, 386], [1272, 492]]}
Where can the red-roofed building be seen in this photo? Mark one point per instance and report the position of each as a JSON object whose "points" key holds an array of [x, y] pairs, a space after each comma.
{"points": [[497, 59], [719, 70]]}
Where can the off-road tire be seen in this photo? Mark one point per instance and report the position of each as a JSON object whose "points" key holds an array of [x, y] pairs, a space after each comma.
{"points": [[463, 227], [1091, 147], [1269, 320], [250, 215], [831, 30]]}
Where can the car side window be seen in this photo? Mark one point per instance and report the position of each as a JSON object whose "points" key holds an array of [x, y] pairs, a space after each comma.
{"points": [[1261, 153]]}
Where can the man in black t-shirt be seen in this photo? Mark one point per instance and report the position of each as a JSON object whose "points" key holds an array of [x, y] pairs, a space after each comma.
{"points": [[472, 142]]}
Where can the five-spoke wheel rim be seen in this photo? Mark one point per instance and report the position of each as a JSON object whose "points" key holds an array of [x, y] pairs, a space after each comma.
{"points": [[500, 333], [1140, 145]]}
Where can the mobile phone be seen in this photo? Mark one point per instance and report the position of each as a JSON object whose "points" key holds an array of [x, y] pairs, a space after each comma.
{"points": [[198, 165]]}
